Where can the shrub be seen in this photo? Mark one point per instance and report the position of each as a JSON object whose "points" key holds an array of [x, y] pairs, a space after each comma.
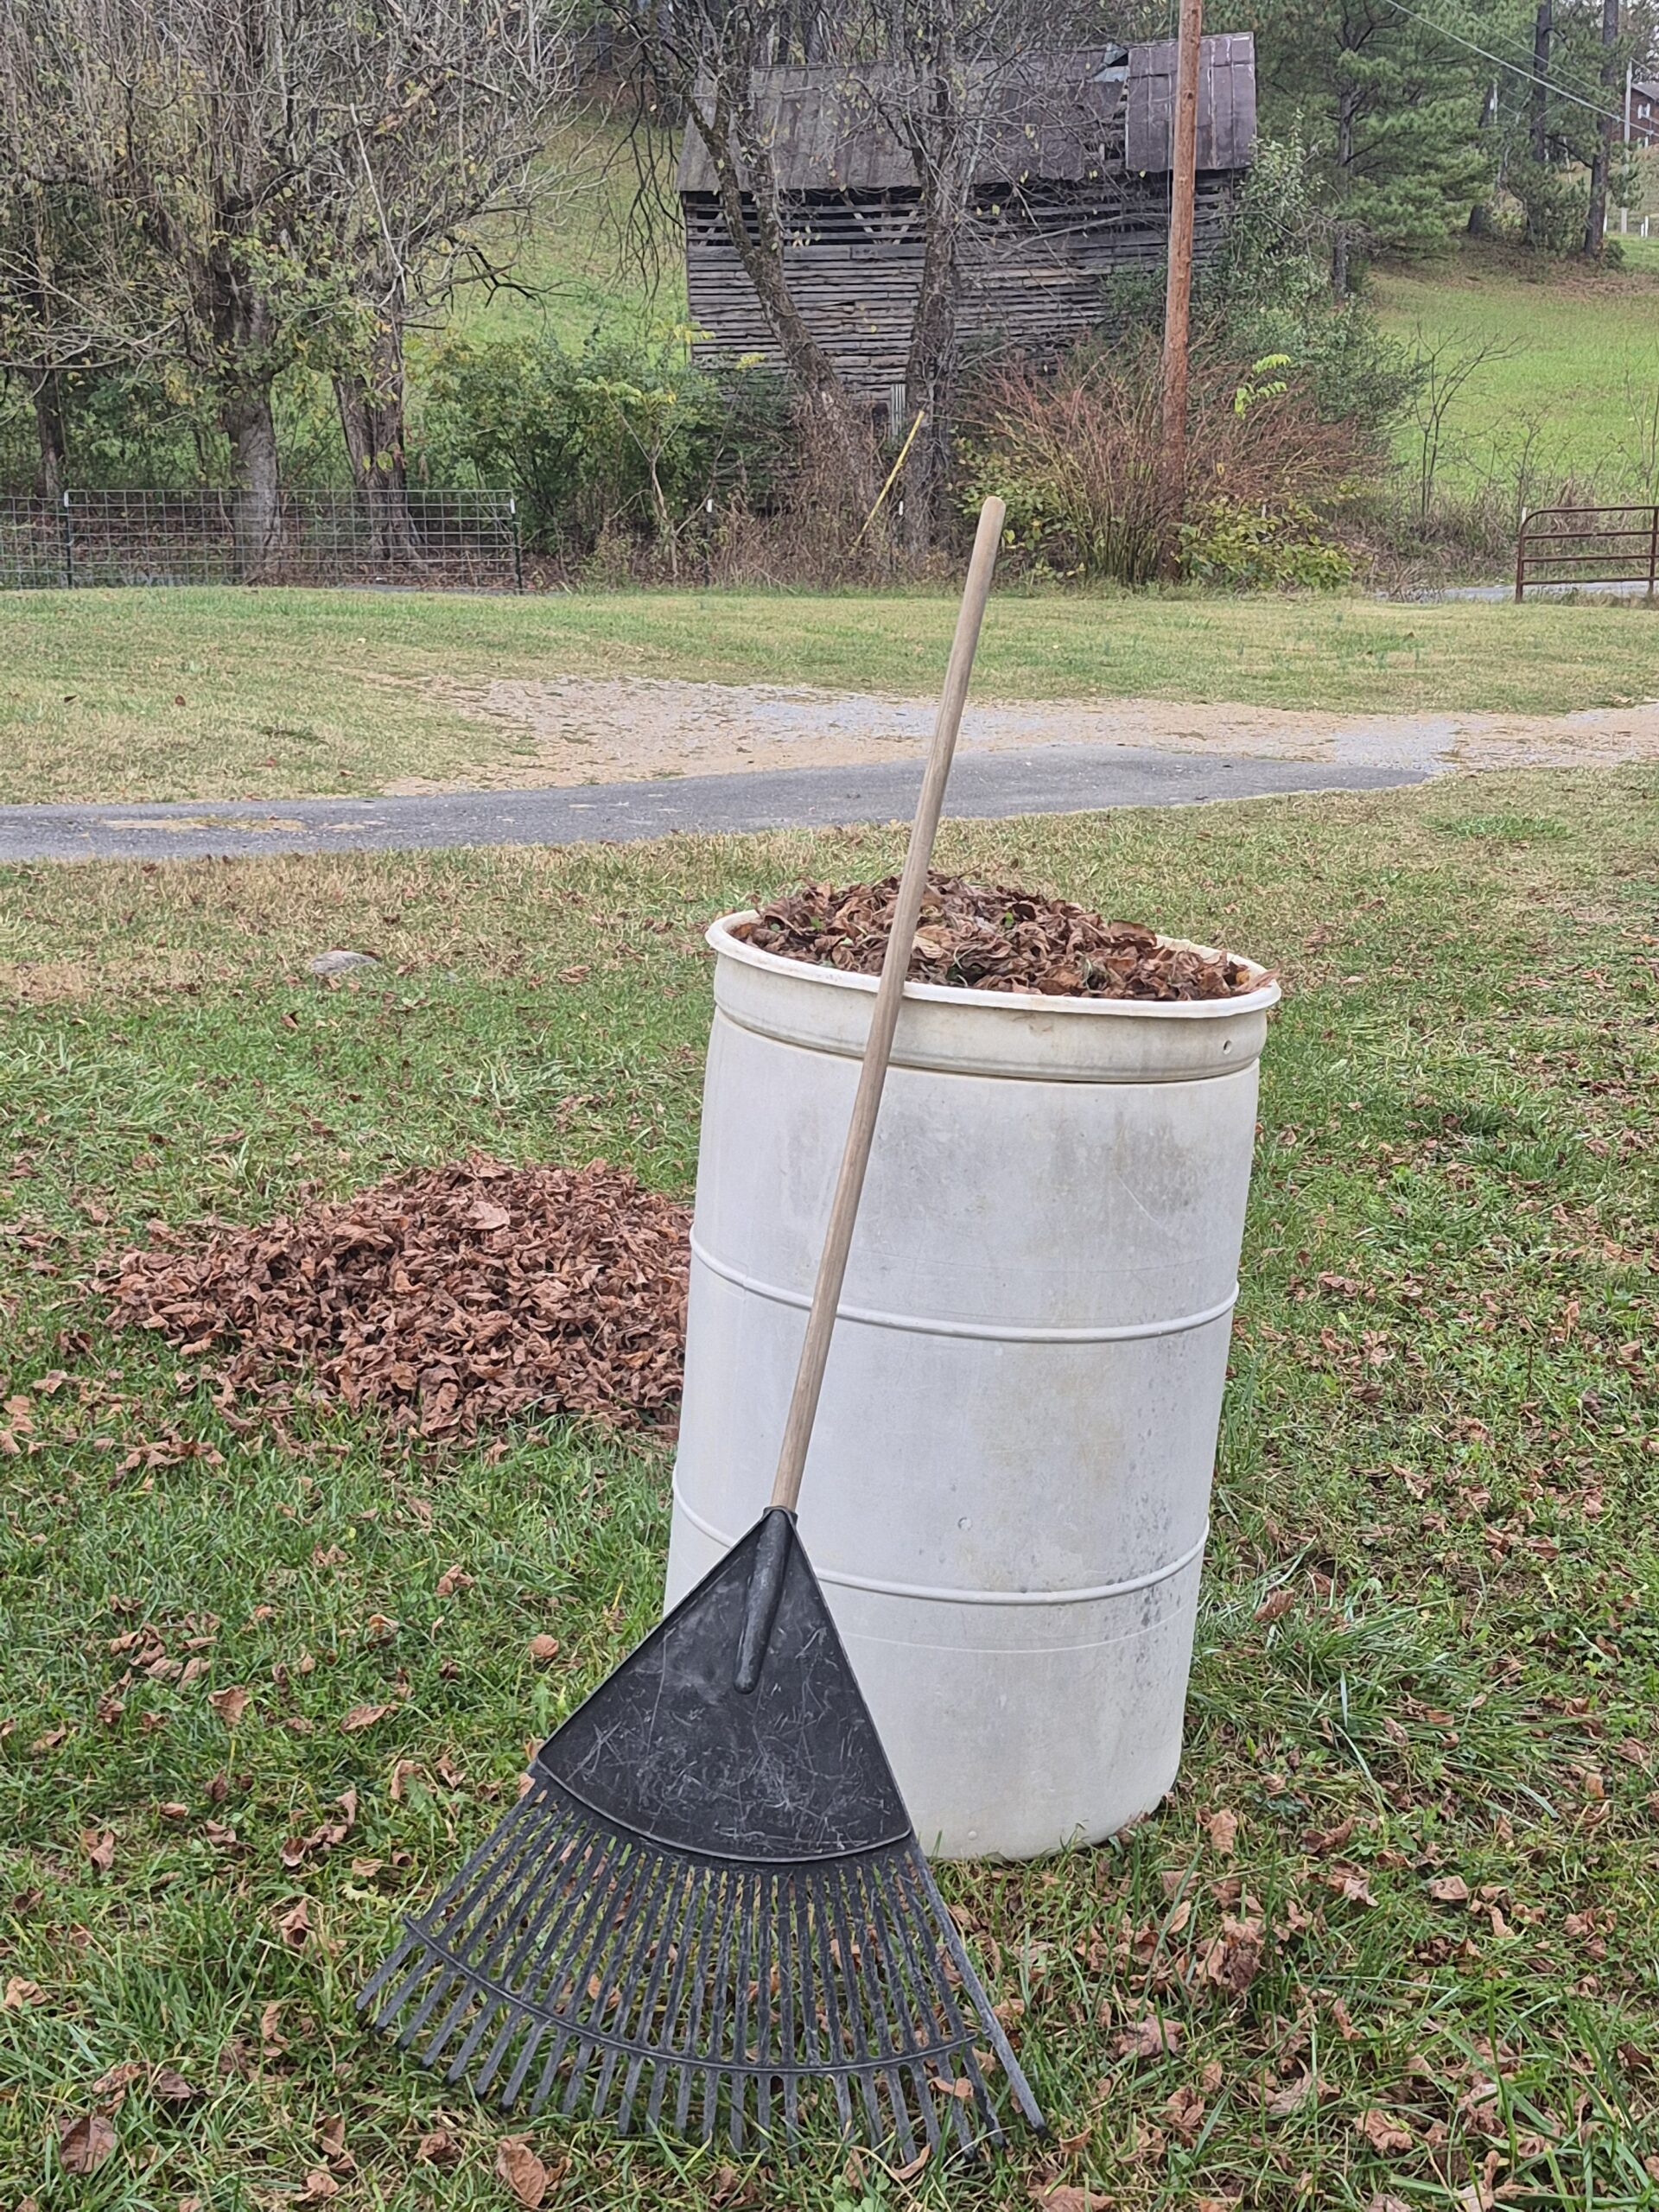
{"points": [[627, 440], [1243, 548], [1074, 452]]}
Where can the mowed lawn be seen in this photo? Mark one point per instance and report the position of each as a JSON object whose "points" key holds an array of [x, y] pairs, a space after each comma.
{"points": [[1570, 386], [227, 694], [1420, 1778]]}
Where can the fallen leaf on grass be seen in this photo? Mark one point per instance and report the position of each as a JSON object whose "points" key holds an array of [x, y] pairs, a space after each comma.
{"points": [[1232, 1960], [1383, 2134], [544, 1648], [517, 2165], [99, 1844], [272, 2042], [440, 2148], [1066, 2197], [1150, 2039], [320, 2186], [1449, 1889], [453, 1579], [114, 2082], [295, 1924], [1275, 1606], [19, 1992], [1291, 2097], [363, 1716], [230, 1704], [1224, 1832], [84, 2143], [1184, 2110], [168, 2083]]}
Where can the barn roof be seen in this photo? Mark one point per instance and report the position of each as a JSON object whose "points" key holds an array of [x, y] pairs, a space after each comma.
{"points": [[1050, 116]]}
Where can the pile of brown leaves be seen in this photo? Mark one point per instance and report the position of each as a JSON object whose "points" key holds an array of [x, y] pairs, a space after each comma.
{"points": [[993, 937], [451, 1298]]}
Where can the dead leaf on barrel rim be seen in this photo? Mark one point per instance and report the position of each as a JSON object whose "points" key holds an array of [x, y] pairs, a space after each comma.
{"points": [[86, 2142], [992, 937]]}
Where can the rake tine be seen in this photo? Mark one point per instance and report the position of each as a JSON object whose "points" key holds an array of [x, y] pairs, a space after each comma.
{"points": [[687, 1879], [515, 1866], [832, 2003], [713, 1921], [741, 2012], [888, 2001], [763, 2003], [799, 2038], [861, 2022], [503, 1918], [916, 1870], [734, 1904], [564, 1897], [621, 1973], [935, 1994], [492, 1842], [556, 1968], [689, 1977], [595, 1931], [902, 1998]]}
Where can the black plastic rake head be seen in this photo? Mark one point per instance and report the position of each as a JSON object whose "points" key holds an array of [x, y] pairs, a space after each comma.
{"points": [[709, 1913]]}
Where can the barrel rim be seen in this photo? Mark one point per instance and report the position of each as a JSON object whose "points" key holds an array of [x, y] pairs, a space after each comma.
{"points": [[720, 938]]}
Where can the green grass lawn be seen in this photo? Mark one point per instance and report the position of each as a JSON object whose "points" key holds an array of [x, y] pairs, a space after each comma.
{"points": [[1574, 380], [225, 694], [1439, 1458]]}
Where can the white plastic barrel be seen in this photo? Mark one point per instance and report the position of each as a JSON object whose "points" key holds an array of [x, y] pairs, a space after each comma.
{"points": [[1008, 1492]]}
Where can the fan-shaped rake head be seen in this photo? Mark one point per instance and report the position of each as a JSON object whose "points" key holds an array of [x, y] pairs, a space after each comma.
{"points": [[709, 1914]]}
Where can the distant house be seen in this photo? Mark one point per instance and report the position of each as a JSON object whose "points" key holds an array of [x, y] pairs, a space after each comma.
{"points": [[1073, 187], [1644, 112]]}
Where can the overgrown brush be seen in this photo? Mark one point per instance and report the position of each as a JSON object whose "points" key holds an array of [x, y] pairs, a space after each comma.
{"points": [[1074, 451]]}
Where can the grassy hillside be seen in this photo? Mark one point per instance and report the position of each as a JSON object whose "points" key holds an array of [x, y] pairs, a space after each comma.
{"points": [[1570, 386]]}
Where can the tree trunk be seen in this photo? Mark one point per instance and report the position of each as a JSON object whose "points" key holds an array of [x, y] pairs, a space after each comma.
{"points": [[1601, 165], [243, 327], [51, 444], [1347, 106], [246, 418], [930, 366], [1543, 34], [760, 249], [370, 398]]}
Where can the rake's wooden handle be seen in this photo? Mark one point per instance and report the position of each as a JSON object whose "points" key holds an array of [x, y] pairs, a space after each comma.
{"points": [[843, 1212]]}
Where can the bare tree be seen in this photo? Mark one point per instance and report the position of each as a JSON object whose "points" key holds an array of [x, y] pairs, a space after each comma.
{"points": [[277, 180]]}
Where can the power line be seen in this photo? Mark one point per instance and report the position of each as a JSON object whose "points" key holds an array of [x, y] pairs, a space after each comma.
{"points": [[1607, 114]]}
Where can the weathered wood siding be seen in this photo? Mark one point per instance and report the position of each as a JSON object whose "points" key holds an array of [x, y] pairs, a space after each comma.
{"points": [[1036, 269]]}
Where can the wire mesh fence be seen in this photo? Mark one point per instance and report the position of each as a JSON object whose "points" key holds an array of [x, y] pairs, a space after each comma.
{"points": [[454, 541]]}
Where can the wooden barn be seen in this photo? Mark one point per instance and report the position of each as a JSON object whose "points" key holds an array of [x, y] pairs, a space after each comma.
{"points": [[1073, 187]]}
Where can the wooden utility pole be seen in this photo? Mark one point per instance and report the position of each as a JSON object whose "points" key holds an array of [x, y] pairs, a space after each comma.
{"points": [[1183, 178]]}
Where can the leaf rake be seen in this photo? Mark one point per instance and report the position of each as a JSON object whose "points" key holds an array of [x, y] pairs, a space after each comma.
{"points": [[709, 1914]]}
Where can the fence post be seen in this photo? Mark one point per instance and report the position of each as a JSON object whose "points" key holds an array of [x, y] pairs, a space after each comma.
{"points": [[68, 544], [517, 545], [1653, 555], [1520, 560]]}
